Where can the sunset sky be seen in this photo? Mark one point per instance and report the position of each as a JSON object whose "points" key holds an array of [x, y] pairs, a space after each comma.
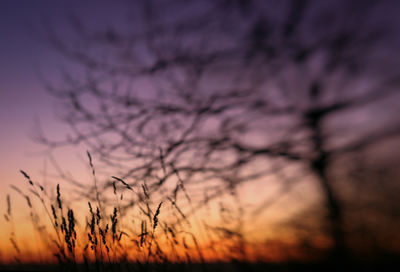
{"points": [[26, 58]]}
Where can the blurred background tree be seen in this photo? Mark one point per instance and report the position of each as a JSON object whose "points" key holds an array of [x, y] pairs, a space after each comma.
{"points": [[197, 98]]}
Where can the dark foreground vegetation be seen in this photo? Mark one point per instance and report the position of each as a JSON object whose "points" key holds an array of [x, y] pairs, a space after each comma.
{"points": [[387, 265], [103, 243]]}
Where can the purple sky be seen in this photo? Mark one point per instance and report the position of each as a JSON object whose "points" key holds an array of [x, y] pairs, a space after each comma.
{"points": [[22, 95], [23, 99], [23, 54]]}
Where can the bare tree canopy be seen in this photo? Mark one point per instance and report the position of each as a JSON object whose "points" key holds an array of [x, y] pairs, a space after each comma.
{"points": [[220, 93]]}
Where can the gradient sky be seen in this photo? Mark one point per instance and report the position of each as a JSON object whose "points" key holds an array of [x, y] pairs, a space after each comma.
{"points": [[21, 95], [22, 55], [23, 99]]}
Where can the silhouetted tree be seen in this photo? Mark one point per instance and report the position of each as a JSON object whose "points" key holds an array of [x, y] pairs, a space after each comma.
{"points": [[225, 92]]}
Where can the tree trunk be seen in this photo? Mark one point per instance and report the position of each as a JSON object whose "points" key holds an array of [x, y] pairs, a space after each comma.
{"points": [[319, 165], [335, 213]]}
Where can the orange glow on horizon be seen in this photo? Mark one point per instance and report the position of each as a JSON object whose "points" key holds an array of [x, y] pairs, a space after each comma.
{"points": [[193, 241]]}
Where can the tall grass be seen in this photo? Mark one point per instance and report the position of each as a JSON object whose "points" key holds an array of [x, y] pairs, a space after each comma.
{"points": [[109, 238]]}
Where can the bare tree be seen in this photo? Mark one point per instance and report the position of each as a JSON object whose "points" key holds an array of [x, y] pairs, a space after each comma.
{"points": [[225, 92]]}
